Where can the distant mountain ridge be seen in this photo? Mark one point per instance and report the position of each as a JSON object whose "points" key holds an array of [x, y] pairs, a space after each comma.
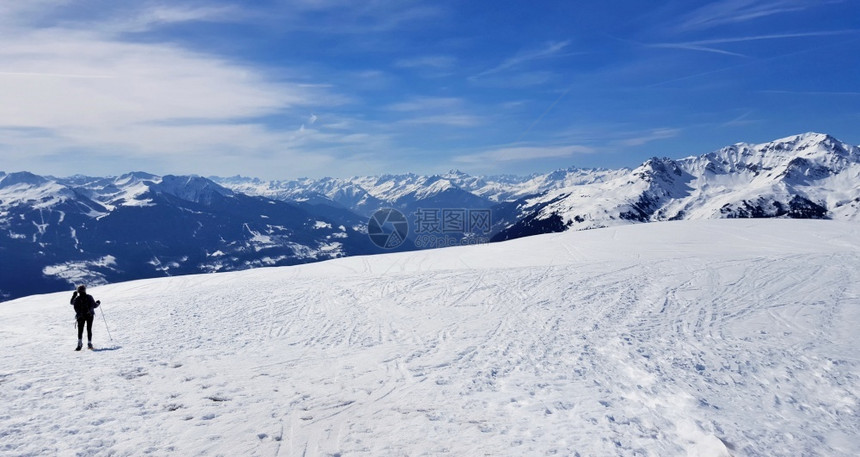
{"points": [[58, 231], [365, 194]]}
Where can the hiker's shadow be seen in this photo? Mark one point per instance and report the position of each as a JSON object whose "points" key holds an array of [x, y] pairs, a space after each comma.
{"points": [[112, 348]]}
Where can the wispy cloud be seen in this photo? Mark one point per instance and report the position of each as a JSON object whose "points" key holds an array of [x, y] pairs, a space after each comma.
{"points": [[150, 17], [450, 120], [128, 82], [551, 49], [743, 119], [436, 62], [706, 45], [447, 111], [736, 11], [137, 17], [523, 153], [695, 47], [431, 66], [351, 17], [776, 36], [22, 74], [427, 104], [88, 88], [648, 137], [812, 92]]}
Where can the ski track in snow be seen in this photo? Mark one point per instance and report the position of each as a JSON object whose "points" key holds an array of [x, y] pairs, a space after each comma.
{"points": [[714, 338]]}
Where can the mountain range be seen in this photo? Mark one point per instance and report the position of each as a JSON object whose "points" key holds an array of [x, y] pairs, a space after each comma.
{"points": [[55, 232]]}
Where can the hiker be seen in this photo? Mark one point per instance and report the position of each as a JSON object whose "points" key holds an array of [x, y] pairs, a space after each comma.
{"points": [[85, 306]]}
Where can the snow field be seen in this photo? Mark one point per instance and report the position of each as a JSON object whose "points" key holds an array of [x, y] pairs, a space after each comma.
{"points": [[708, 338]]}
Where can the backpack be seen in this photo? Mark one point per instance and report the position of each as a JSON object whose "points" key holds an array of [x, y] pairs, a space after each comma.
{"points": [[82, 306]]}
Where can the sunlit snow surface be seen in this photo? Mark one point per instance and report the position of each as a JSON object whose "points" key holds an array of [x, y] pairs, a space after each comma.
{"points": [[703, 338]]}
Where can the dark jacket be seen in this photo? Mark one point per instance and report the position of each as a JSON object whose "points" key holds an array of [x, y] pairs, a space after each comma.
{"points": [[85, 305]]}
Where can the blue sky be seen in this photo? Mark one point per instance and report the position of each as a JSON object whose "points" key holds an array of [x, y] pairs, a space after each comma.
{"points": [[282, 89]]}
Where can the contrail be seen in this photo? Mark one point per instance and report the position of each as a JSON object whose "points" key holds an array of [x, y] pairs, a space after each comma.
{"points": [[779, 36]]}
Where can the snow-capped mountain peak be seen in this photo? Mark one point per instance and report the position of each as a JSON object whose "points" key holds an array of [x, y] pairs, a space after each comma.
{"points": [[135, 177], [818, 147], [24, 188], [811, 175], [191, 188], [22, 179]]}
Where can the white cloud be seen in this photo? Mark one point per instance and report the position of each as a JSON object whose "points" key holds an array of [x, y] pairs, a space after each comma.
{"points": [[60, 79], [95, 93], [82, 95]]}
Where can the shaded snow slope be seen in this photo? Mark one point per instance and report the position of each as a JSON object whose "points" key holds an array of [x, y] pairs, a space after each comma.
{"points": [[693, 338]]}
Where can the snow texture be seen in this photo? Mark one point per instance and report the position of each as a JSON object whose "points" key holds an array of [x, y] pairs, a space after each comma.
{"points": [[705, 338]]}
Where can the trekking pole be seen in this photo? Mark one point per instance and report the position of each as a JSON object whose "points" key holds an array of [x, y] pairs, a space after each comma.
{"points": [[106, 326]]}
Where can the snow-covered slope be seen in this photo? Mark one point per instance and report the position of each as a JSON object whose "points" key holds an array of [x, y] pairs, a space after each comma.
{"points": [[708, 338]]}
